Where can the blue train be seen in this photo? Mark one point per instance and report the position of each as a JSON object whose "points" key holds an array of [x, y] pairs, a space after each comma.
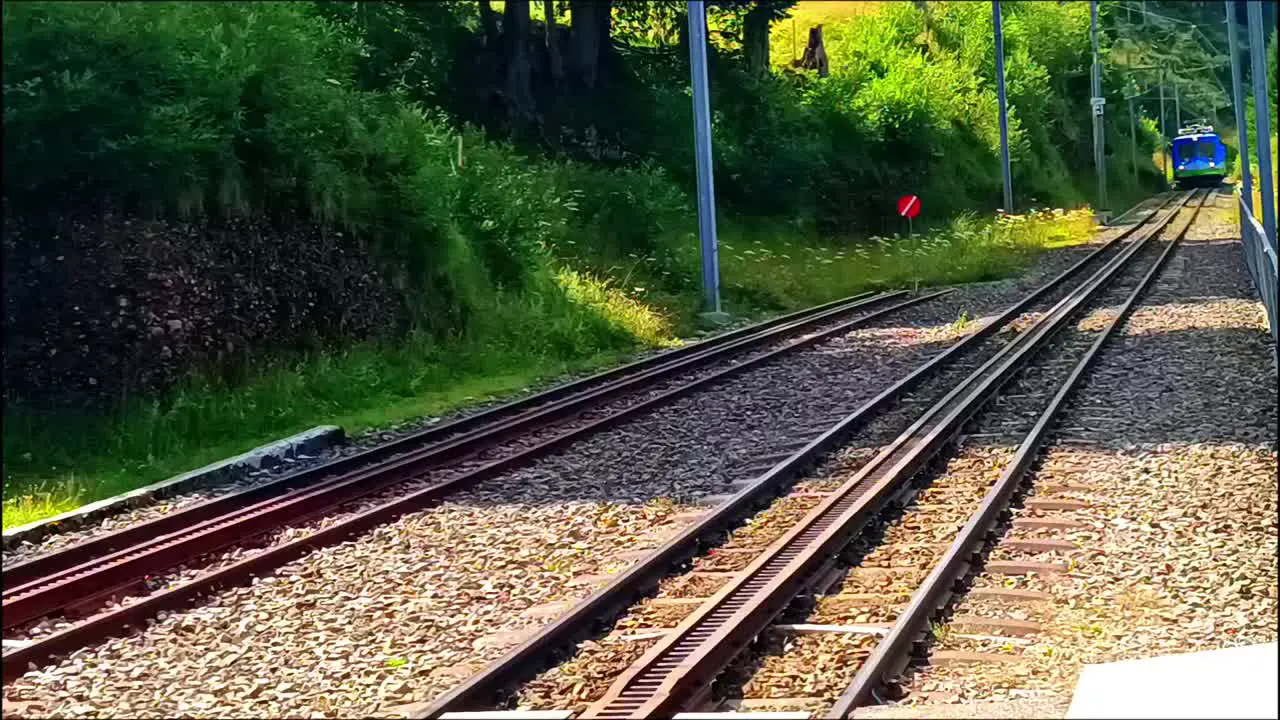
{"points": [[1199, 157]]}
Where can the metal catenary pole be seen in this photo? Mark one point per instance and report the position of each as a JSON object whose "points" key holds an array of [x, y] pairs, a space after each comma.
{"points": [[1177, 105], [1237, 101], [1262, 113], [1164, 142], [1099, 144], [702, 147], [1004, 108], [1133, 140]]}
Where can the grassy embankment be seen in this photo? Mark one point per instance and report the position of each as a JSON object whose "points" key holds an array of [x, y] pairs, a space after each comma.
{"points": [[53, 470]]}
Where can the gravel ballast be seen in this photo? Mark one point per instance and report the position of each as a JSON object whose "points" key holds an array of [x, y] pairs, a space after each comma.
{"points": [[405, 612]]}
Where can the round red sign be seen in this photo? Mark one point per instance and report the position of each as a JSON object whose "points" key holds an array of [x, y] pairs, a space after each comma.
{"points": [[909, 206]]}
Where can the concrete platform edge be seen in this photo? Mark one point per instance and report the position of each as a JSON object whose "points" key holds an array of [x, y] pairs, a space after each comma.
{"points": [[231, 469]]}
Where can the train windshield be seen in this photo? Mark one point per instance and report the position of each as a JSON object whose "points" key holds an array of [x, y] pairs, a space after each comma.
{"points": [[1192, 150]]}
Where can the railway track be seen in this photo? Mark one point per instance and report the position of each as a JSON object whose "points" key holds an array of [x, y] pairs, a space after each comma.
{"points": [[676, 673], [405, 475], [1024, 421]]}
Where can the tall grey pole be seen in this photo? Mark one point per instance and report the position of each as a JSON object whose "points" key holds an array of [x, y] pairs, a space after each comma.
{"points": [[1177, 105], [1262, 120], [1099, 143], [702, 148], [1237, 100], [1004, 108], [1133, 140], [1164, 142]]}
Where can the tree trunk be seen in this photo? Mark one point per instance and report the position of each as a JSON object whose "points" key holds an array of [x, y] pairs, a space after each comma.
{"points": [[553, 48], [755, 38], [515, 34], [815, 54], [489, 22], [589, 38]]}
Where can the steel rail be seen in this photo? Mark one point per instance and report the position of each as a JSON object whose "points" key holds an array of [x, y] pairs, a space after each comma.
{"points": [[453, 439], [182, 545], [526, 659], [683, 663], [936, 588]]}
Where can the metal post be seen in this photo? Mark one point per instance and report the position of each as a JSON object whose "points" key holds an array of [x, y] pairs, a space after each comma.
{"points": [[1099, 143], [1237, 100], [1262, 119], [1004, 108], [1164, 142], [1133, 140], [1177, 105], [702, 148]]}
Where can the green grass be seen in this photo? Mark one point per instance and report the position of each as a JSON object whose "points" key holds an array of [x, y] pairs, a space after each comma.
{"points": [[58, 461], [772, 268]]}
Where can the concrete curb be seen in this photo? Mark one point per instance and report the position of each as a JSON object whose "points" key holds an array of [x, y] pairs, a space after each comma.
{"points": [[234, 468]]}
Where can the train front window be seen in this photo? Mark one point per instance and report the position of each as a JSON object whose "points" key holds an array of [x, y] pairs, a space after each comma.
{"points": [[1201, 150]]}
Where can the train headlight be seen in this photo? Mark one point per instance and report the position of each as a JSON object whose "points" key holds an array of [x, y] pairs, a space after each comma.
{"points": [[1211, 164], [1182, 167]]}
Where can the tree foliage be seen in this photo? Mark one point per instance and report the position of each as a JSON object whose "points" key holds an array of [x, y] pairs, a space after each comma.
{"points": [[475, 150]]}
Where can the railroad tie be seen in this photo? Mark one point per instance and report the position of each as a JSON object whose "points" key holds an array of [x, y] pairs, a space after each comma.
{"points": [[879, 629], [1038, 523], [1005, 626], [963, 657], [1015, 595], [1041, 546], [869, 598], [1005, 567], [749, 704], [1055, 504], [741, 716]]}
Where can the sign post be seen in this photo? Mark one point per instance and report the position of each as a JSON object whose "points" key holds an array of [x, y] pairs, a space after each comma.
{"points": [[909, 208], [1099, 144]]}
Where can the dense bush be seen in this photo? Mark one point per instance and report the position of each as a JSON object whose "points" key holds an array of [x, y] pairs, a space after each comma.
{"points": [[215, 112]]}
